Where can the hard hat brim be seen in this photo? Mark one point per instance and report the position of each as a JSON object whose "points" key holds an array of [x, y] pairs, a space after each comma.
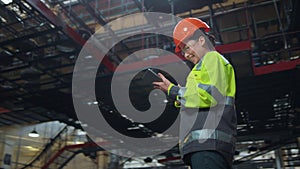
{"points": [[177, 48]]}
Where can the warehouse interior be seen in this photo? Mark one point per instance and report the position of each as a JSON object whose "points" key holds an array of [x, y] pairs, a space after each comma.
{"points": [[40, 41]]}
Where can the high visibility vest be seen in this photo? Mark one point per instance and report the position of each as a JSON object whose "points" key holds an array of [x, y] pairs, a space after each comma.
{"points": [[211, 82]]}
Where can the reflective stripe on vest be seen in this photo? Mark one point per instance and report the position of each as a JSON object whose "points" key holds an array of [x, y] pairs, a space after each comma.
{"points": [[205, 134], [213, 91]]}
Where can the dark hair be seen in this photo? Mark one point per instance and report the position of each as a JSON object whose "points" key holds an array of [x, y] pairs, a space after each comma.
{"points": [[201, 32]]}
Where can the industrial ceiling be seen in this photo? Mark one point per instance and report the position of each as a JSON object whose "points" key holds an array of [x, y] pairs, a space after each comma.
{"points": [[41, 40]]}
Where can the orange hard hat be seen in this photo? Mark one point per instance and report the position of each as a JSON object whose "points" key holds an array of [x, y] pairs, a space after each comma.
{"points": [[186, 28]]}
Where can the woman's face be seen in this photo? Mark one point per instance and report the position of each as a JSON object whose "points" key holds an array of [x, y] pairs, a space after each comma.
{"points": [[194, 50]]}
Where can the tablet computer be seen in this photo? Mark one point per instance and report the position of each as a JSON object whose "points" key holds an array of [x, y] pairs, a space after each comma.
{"points": [[150, 76]]}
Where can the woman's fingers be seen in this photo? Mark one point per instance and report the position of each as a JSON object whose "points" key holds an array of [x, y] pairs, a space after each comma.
{"points": [[162, 85], [158, 83], [162, 76]]}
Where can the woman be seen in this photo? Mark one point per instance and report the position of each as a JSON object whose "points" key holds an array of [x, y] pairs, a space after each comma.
{"points": [[208, 117]]}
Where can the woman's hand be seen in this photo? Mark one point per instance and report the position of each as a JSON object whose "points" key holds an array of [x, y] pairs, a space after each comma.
{"points": [[164, 85]]}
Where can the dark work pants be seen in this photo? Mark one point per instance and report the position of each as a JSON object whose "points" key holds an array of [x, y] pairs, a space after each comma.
{"points": [[206, 160]]}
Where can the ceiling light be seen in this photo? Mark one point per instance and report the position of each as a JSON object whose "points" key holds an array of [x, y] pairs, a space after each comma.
{"points": [[6, 1], [34, 133]]}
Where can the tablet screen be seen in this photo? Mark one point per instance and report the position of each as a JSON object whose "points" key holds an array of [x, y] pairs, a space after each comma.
{"points": [[150, 76]]}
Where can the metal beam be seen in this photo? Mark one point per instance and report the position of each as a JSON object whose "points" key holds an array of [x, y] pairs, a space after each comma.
{"points": [[48, 14], [33, 35], [57, 22], [73, 15], [100, 20], [98, 17], [277, 67], [265, 150], [139, 5], [234, 47]]}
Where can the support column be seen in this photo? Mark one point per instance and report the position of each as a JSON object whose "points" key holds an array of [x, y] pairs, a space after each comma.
{"points": [[278, 158], [8, 149], [298, 139], [114, 161], [102, 160]]}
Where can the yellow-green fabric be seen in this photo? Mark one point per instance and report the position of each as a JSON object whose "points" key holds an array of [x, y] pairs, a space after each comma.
{"points": [[211, 78]]}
